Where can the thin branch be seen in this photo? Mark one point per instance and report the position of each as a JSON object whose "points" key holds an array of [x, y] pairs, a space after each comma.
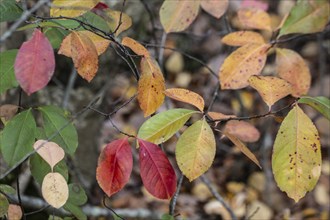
{"points": [[120, 18], [108, 207], [176, 194], [218, 196], [214, 97], [69, 87]]}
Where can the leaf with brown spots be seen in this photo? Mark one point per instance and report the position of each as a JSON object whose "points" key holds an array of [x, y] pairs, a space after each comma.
{"points": [[244, 62], [71, 8], [177, 15], [215, 8], [244, 149], [151, 86], [187, 96], [270, 88], [241, 38], [296, 160], [292, 67], [135, 46], [242, 130], [254, 18]]}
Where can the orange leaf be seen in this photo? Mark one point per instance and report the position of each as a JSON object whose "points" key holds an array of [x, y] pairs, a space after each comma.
{"points": [[270, 88], [242, 148], [215, 8], [254, 18], [84, 55], [135, 46], [186, 96], [242, 130], [220, 116], [240, 38], [151, 86], [244, 62], [292, 67]]}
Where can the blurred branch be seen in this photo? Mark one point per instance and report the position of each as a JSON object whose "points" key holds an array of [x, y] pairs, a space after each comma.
{"points": [[176, 195]]}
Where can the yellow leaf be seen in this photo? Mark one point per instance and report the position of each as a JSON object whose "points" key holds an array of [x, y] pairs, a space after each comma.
{"points": [[186, 96], [55, 190], [177, 15], [215, 8], [135, 46], [71, 8], [296, 160], [195, 150], [49, 151], [242, 130], [84, 55], [292, 67], [270, 88], [113, 17], [244, 62], [99, 42], [240, 38], [151, 86], [243, 148], [254, 18]]}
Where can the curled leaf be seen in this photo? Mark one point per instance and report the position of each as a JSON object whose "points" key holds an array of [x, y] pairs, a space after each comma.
{"points": [[187, 96]]}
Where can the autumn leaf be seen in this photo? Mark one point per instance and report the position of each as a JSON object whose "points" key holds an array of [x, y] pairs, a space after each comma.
{"points": [[161, 127], [320, 104], [177, 15], [151, 86], [49, 151], [241, 38], [220, 116], [156, 171], [14, 212], [7, 111], [114, 17], [215, 8], [187, 96], [254, 4], [195, 150], [55, 190], [306, 17], [135, 46], [244, 62], [270, 88], [254, 18], [296, 160], [292, 67], [35, 63], [69, 8], [242, 130], [244, 149], [114, 166]]}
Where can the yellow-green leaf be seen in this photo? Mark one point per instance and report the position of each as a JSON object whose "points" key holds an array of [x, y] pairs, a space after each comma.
{"points": [[195, 150], [151, 86], [135, 46], [244, 62], [244, 149], [177, 15], [296, 160], [164, 125], [254, 18], [215, 8], [70, 8], [114, 17], [240, 38], [187, 96], [306, 17], [270, 88], [292, 67], [320, 104]]}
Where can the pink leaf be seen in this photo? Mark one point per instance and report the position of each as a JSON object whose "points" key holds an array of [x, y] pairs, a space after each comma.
{"points": [[35, 63], [114, 166], [254, 4], [157, 173]]}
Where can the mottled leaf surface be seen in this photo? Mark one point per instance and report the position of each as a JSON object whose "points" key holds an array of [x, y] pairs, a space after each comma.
{"points": [[55, 190], [254, 18], [187, 96], [241, 38]]}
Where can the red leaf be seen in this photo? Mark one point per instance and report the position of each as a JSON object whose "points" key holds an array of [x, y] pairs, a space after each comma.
{"points": [[35, 63], [114, 166], [99, 8], [157, 173]]}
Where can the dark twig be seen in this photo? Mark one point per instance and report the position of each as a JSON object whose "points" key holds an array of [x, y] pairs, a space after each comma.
{"points": [[120, 18], [214, 97], [108, 207], [176, 195]]}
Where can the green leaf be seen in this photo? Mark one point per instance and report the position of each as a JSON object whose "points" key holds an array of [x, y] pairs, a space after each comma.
{"points": [[40, 168], [296, 159], [9, 10], [167, 217], [55, 36], [320, 104], [95, 20], [77, 197], [163, 126], [76, 211], [18, 137], [7, 189], [7, 74], [4, 205], [306, 17], [55, 121], [195, 150]]}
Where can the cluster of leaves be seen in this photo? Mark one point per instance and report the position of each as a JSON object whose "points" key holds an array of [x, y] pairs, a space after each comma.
{"points": [[84, 33]]}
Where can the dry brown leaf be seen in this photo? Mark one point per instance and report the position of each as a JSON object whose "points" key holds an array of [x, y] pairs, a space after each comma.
{"points": [[242, 130], [55, 190], [8, 111]]}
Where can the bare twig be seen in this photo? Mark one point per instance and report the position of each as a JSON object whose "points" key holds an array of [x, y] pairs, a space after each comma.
{"points": [[108, 207], [176, 195], [69, 87], [120, 18]]}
